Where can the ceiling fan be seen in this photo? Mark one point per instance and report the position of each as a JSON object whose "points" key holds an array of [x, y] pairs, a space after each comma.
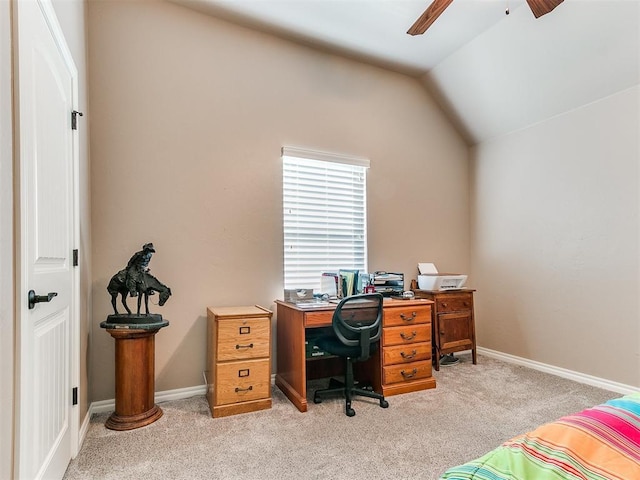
{"points": [[538, 7]]}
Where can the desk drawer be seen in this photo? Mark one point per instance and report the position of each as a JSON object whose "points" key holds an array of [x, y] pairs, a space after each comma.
{"points": [[407, 315], [243, 339], [455, 303], [318, 319], [405, 335], [406, 373], [406, 353], [242, 381]]}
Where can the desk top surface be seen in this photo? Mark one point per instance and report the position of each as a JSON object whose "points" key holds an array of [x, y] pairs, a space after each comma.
{"points": [[242, 311], [388, 302], [451, 291]]}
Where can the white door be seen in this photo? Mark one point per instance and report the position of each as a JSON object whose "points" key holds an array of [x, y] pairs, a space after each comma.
{"points": [[46, 90]]}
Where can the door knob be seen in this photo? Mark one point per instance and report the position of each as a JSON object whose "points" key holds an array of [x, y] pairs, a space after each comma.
{"points": [[33, 298]]}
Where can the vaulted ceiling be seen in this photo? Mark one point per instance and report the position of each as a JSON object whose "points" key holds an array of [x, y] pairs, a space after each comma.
{"points": [[493, 73]]}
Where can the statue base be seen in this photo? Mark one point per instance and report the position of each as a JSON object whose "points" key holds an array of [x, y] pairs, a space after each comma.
{"points": [[152, 321]]}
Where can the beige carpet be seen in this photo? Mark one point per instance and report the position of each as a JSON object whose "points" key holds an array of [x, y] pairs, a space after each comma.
{"points": [[473, 409]]}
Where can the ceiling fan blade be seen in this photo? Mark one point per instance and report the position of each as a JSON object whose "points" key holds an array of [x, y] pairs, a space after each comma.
{"points": [[429, 16], [542, 7]]}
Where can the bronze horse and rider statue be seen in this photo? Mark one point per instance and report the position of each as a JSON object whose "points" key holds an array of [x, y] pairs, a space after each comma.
{"points": [[136, 281]]}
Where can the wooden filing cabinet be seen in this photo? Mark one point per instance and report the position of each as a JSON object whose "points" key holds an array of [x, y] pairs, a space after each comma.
{"points": [[238, 359], [405, 348], [453, 322]]}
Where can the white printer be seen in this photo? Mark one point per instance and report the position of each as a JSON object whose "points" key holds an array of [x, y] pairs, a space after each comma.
{"points": [[430, 279]]}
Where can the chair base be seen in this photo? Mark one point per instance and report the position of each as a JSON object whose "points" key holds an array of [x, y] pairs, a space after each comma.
{"points": [[337, 387]]}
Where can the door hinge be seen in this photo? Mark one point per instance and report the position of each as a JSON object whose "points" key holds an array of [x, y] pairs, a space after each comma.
{"points": [[74, 119], [75, 257], [74, 396]]}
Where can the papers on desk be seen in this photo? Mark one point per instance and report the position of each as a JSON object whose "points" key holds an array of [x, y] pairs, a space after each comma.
{"points": [[382, 278], [427, 268], [343, 283], [349, 279], [311, 304]]}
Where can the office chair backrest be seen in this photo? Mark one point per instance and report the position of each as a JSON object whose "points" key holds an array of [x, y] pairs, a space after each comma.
{"points": [[357, 321]]}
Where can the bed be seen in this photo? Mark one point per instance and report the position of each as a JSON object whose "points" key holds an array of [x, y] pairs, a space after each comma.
{"points": [[599, 443]]}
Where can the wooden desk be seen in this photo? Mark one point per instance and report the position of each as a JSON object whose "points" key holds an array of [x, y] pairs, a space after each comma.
{"points": [[402, 363]]}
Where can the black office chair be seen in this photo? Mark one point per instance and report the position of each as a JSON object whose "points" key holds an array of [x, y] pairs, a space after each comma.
{"points": [[357, 326]]}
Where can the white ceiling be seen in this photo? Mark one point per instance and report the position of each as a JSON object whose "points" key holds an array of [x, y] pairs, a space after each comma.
{"points": [[492, 73], [374, 29]]}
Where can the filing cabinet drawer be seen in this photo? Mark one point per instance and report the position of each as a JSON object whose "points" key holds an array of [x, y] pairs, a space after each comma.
{"points": [[406, 373], [454, 303], [242, 381], [406, 353], [406, 334], [407, 316], [243, 338]]}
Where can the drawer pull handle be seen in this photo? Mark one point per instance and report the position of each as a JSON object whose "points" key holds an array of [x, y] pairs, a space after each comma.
{"points": [[409, 375], [442, 332], [408, 319], [409, 356], [244, 389], [444, 305], [466, 304], [408, 337], [238, 347]]}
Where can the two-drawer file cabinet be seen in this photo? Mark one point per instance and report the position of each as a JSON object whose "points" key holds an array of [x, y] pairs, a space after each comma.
{"points": [[238, 359], [405, 347]]}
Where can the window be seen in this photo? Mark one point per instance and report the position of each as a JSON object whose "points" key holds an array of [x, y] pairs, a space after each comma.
{"points": [[325, 215]]}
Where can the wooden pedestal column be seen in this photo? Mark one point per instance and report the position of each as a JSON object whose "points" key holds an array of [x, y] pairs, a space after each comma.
{"points": [[135, 379]]}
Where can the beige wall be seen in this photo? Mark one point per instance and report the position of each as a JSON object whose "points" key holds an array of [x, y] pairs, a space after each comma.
{"points": [[555, 238], [188, 117], [6, 247]]}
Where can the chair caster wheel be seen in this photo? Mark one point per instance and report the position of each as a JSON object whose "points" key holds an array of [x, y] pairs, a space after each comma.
{"points": [[317, 399], [384, 403], [350, 412]]}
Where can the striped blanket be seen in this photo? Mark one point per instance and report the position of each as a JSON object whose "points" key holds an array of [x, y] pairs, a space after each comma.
{"points": [[600, 443]]}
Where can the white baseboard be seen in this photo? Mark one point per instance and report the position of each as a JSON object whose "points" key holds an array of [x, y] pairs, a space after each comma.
{"points": [[179, 393], [561, 372], [109, 405], [84, 428]]}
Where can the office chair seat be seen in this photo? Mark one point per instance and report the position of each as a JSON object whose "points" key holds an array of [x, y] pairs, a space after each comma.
{"points": [[357, 327]]}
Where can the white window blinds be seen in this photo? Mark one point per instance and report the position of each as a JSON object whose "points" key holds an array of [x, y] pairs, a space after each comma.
{"points": [[325, 228]]}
